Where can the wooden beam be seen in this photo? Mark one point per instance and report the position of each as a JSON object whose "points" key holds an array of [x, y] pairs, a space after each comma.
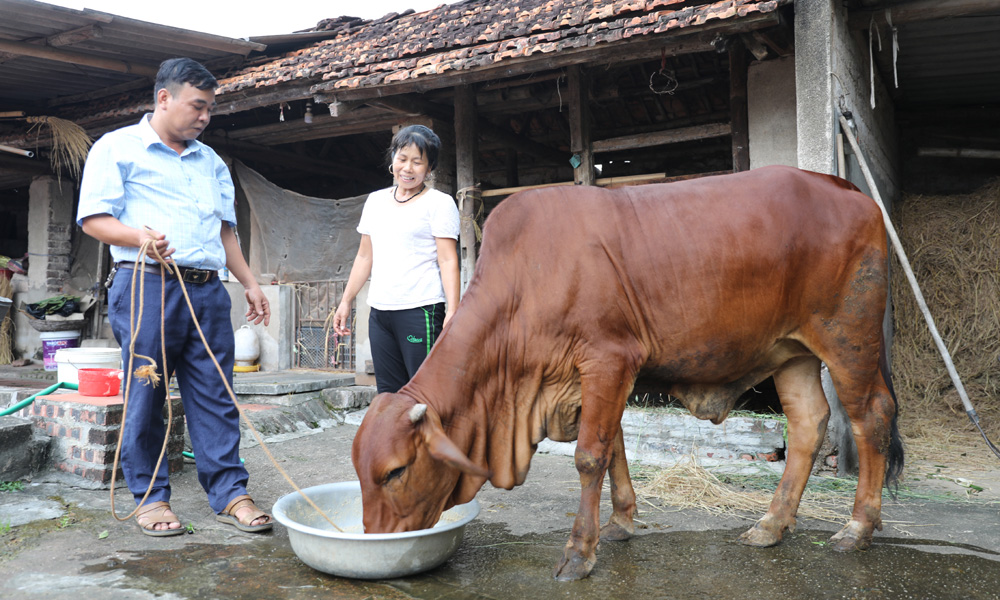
{"points": [[579, 126], [466, 155], [921, 10], [294, 161], [78, 58], [323, 126], [485, 127], [66, 38], [754, 45], [659, 138], [958, 153], [248, 99], [608, 182], [740, 120]]}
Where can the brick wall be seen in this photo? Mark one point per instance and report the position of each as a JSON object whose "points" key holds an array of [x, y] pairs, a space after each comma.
{"points": [[84, 434]]}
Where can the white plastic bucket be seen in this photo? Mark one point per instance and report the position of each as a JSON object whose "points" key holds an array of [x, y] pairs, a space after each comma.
{"points": [[54, 341], [71, 359]]}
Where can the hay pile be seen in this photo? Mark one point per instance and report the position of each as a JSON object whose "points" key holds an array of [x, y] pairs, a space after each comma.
{"points": [[688, 485], [6, 324], [953, 244]]}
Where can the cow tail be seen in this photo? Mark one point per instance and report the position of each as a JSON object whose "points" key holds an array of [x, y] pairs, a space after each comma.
{"points": [[894, 467]]}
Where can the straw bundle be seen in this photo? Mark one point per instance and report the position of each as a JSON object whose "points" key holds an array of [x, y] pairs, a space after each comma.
{"points": [[70, 145], [952, 244], [6, 325]]}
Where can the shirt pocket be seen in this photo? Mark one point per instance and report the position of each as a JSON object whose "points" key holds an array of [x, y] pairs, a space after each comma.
{"points": [[207, 193]]}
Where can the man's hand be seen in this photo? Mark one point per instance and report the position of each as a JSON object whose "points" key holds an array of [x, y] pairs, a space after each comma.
{"points": [[257, 306], [160, 245]]}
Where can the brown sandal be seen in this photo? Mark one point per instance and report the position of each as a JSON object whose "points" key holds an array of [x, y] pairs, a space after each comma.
{"points": [[153, 513], [229, 515]]}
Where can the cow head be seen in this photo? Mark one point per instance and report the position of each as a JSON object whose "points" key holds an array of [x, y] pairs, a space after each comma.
{"points": [[407, 465]]}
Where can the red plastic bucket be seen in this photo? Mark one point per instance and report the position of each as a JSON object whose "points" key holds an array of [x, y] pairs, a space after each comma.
{"points": [[99, 382]]}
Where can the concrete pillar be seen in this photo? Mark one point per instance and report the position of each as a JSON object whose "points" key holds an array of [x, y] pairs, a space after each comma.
{"points": [[772, 116], [815, 116], [50, 226]]}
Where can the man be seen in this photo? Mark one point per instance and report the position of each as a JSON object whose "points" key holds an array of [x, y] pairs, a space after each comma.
{"points": [[155, 181]]}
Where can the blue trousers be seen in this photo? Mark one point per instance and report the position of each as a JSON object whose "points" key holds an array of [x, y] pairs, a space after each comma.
{"points": [[400, 341], [212, 418]]}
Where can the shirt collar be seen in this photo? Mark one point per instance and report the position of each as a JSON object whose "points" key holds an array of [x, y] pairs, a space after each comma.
{"points": [[149, 137]]}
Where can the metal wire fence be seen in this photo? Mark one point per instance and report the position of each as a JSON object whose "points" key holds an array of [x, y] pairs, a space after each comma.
{"points": [[317, 345]]}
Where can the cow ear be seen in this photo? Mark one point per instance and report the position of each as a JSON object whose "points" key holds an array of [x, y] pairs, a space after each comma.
{"points": [[442, 448]]}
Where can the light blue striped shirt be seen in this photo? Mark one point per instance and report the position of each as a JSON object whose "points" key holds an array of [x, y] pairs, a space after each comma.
{"points": [[133, 176]]}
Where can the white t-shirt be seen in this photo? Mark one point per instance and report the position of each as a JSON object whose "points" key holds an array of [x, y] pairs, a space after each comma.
{"points": [[405, 272]]}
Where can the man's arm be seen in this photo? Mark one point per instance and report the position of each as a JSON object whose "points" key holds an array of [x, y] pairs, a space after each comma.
{"points": [[257, 306], [113, 232]]}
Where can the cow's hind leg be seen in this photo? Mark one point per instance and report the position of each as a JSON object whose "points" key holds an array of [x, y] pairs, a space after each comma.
{"points": [[604, 391], [798, 385], [620, 526], [872, 411]]}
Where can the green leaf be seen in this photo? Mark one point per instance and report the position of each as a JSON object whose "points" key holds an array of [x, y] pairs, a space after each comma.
{"points": [[103, 534]]}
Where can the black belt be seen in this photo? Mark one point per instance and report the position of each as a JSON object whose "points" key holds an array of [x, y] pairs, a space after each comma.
{"points": [[188, 274]]}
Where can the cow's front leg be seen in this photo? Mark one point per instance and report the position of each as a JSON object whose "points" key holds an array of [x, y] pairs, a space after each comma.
{"points": [[620, 526], [801, 394], [603, 400], [579, 555]]}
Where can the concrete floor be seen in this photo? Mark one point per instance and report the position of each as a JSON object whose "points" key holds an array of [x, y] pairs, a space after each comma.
{"points": [[69, 547]]}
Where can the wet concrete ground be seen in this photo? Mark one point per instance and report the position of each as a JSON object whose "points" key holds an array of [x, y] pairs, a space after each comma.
{"points": [[929, 549]]}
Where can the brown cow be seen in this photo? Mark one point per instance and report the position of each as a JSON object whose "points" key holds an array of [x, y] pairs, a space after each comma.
{"points": [[706, 287]]}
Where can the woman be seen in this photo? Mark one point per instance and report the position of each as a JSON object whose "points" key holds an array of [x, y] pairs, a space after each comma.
{"points": [[408, 248]]}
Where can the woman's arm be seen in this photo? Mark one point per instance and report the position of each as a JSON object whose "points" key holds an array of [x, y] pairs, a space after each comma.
{"points": [[447, 253], [360, 272]]}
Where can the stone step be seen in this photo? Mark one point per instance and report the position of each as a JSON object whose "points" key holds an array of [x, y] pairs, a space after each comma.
{"points": [[283, 383], [22, 451], [302, 414]]}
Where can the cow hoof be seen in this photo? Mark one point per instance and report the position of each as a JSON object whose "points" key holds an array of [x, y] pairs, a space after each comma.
{"points": [[572, 568], [853, 536], [613, 532], [760, 536]]}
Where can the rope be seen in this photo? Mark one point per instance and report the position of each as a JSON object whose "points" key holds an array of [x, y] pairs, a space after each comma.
{"points": [[148, 372], [474, 194], [898, 246]]}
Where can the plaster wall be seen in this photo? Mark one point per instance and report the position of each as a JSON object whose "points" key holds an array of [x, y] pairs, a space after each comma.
{"points": [[771, 108], [277, 338]]}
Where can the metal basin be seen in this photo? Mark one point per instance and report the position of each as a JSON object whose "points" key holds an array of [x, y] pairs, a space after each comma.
{"points": [[4, 306], [356, 554]]}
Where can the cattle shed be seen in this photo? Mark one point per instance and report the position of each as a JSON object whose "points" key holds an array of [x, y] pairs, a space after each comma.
{"points": [[523, 93]]}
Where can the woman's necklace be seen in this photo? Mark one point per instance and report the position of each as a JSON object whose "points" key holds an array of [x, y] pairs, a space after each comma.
{"points": [[405, 200]]}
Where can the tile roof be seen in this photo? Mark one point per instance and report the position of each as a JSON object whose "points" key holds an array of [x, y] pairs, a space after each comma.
{"points": [[477, 33]]}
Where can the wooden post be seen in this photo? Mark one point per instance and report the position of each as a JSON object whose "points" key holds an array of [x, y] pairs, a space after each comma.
{"points": [[740, 120], [466, 153], [579, 126]]}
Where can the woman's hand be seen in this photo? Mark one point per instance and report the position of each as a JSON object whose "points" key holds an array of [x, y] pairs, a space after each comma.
{"points": [[341, 318]]}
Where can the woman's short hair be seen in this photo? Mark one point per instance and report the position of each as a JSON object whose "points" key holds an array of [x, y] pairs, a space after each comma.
{"points": [[420, 136]]}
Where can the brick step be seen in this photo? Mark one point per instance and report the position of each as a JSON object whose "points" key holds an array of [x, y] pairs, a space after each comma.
{"points": [[82, 435]]}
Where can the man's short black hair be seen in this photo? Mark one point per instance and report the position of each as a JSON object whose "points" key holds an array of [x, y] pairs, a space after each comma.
{"points": [[420, 136], [175, 72]]}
